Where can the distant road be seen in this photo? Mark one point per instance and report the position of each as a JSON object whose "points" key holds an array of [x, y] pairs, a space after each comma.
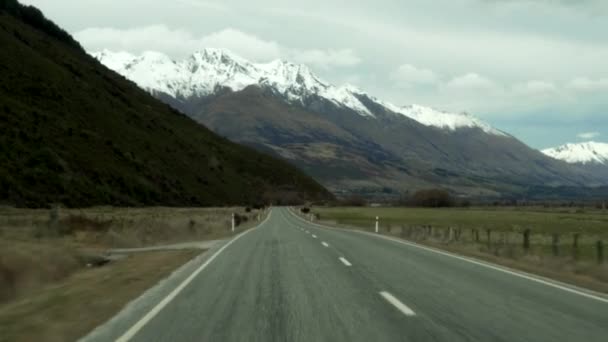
{"points": [[289, 280]]}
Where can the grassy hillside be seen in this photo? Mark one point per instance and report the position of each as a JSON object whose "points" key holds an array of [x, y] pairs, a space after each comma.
{"points": [[74, 132]]}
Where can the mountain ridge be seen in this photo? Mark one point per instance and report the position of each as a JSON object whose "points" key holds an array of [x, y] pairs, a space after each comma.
{"points": [[384, 150], [204, 71]]}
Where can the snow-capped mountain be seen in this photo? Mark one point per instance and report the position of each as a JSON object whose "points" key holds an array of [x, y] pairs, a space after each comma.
{"points": [[206, 72], [349, 140], [580, 153]]}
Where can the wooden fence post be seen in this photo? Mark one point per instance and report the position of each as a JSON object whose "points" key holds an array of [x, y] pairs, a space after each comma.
{"points": [[476, 235], [555, 244], [575, 246], [600, 251], [526, 240], [489, 234]]}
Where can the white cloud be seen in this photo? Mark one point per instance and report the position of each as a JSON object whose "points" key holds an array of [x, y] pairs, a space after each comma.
{"points": [[208, 5], [588, 135], [176, 42], [179, 43], [470, 81], [243, 44], [587, 84], [408, 75], [535, 88], [136, 40], [325, 58]]}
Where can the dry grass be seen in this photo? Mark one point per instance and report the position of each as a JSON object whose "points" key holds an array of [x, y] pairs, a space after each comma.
{"points": [[47, 292], [40, 247], [26, 266], [68, 309]]}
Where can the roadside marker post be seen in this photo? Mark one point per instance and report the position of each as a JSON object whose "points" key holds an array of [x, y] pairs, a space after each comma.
{"points": [[376, 224], [233, 222]]}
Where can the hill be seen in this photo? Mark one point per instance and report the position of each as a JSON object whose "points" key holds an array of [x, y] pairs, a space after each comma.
{"points": [[74, 132]]}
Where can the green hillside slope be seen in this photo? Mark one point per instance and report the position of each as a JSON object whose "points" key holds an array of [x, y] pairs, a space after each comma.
{"points": [[74, 132]]}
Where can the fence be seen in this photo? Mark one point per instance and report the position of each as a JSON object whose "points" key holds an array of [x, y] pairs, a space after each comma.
{"points": [[575, 246]]}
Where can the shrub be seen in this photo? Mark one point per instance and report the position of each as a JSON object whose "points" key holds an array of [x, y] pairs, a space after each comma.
{"points": [[239, 219], [433, 198], [354, 201], [305, 210]]}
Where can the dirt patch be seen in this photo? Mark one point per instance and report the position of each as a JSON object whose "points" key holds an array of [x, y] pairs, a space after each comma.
{"points": [[68, 309]]}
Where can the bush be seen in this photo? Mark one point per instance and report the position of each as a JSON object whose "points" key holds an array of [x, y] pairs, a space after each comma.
{"points": [[238, 219], [354, 201], [432, 198], [305, 210]]}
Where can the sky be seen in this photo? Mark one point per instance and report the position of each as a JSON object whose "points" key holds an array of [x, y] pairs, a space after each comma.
{"points": [[537, 69]]}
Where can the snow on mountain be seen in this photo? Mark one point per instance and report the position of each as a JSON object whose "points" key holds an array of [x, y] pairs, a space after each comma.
{"points": [[581, 153], [204, 72]]}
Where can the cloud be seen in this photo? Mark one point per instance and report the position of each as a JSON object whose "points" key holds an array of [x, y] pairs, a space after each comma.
{"points": [[535, 88], [587, 6], [588, 135], [242, 44], [179, 43], [208, 5], [176, 42], [407, 75], [470, 81], [325, 59], [587, 84]]}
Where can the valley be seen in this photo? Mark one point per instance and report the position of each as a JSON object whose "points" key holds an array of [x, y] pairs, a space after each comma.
{"points": [[157, 186]]}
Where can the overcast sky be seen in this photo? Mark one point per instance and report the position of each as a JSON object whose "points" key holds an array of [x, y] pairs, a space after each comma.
{"points": [[537, 69]]}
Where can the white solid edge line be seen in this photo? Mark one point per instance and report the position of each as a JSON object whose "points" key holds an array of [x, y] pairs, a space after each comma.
{"points": [[398, 304], [345, 262], [537, 279], [129, 334], [324, 244]]}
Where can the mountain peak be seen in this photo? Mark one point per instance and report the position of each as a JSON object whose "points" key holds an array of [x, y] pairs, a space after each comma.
{"points": [[580, 153], [217, 56]]}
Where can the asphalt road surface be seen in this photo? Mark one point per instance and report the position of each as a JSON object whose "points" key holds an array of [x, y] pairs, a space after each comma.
{"points": [[289, 280]]}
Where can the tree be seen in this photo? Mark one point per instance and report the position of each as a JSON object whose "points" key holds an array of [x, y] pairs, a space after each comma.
{"points": [[432, 198]]}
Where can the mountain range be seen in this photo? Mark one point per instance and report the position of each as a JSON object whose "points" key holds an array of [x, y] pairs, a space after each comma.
{"points": [[75, 133], [349, 140], [580, 153], [590, 155]]}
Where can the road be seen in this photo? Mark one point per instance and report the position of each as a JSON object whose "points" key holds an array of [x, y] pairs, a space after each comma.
{"points": [[289, 280]]}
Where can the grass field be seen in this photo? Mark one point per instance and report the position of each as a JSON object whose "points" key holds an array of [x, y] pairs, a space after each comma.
{"points": [[563, 243], [567, 220]]}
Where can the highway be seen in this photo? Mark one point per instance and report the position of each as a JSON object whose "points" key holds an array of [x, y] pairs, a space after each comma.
{"points": [[289, 280]]}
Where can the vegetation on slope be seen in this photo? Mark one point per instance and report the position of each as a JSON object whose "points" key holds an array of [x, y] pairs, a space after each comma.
{"points": [[74, 132]]}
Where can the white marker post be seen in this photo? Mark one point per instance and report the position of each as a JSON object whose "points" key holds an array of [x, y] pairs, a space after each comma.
{"points": [[376, 224], [233, 222]]}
